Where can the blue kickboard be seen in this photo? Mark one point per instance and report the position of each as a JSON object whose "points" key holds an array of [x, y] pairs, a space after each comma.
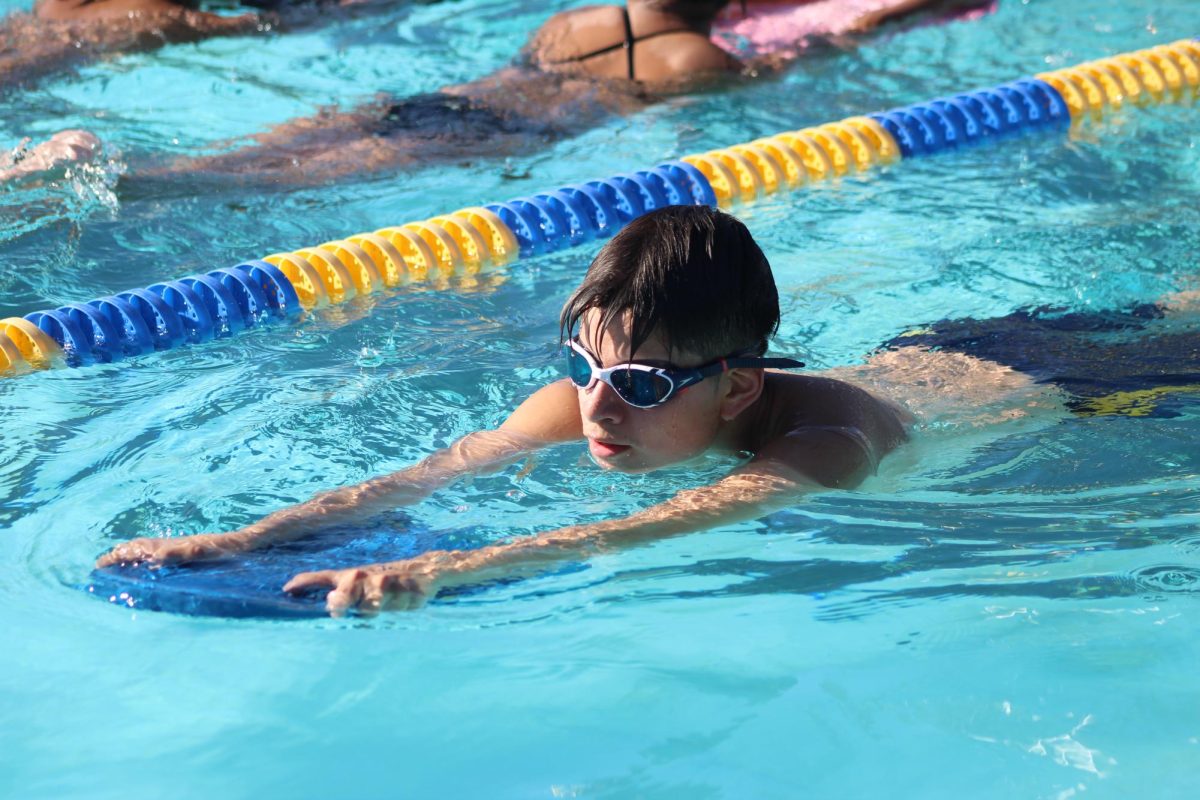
{"points": [[251, 584]]}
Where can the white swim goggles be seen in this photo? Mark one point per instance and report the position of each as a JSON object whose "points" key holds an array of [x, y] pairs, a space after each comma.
{"points": [[644, 386]]}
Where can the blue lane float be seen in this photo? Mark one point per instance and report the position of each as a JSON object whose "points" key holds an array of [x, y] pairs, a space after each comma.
{"points": [[572, 215], [1019, 107], [221, 302]]}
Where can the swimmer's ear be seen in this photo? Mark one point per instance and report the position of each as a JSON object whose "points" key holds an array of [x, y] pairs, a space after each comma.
{"points": [[740, 389]]}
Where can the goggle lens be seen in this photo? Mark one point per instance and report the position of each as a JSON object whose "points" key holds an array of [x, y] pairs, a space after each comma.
{"points": [[636, 387], [579, 368], [639, 388]]}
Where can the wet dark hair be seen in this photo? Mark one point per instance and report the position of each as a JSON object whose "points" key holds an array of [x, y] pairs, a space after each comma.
{"points": [[693, 10], [692, 274]]}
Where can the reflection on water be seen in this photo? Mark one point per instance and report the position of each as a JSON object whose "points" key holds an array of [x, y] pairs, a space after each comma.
{"points": [[1084, 510], [1014, 574]]}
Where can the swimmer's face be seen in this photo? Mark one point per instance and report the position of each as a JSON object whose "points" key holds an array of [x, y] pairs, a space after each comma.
{"points": [[628, 439]]}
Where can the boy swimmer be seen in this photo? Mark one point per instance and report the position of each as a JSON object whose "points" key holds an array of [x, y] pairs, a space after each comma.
{"points": [[664, 340]]}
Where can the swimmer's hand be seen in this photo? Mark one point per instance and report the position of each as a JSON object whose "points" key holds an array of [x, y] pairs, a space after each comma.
{"points": [[399, 586], [174, 550]]}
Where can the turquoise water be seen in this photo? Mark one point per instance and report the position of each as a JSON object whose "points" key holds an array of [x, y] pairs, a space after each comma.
{"points": [[1008, 610]]}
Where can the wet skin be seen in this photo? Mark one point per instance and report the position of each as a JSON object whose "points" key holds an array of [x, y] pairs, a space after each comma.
{"points": [[806, 433], [61, 34], [552, 92]]}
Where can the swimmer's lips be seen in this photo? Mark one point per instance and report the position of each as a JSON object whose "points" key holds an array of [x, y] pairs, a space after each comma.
{"points": [[602, 449]]}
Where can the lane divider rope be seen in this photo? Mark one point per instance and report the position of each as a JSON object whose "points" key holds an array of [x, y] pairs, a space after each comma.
{"points": [[280, 286]]}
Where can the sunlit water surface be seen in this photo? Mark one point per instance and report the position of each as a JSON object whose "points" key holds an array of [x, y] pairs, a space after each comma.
{"points": [[1008, 610]]}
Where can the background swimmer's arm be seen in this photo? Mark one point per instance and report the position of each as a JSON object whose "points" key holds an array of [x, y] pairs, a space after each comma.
{"points": [[117, 25], [122, 10], [779, 477], [551, 415], [64, 33]]}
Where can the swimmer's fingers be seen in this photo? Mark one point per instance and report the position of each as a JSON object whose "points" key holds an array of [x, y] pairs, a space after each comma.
{"points": [[370, 592], [131, 552], [376, 596], [348, 593], [367, 591], [348, 585], [403, 591], [388, 591], [307, 581]]}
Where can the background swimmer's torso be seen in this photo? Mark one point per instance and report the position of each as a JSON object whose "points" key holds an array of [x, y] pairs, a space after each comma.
{"points": [[1004, 608]]}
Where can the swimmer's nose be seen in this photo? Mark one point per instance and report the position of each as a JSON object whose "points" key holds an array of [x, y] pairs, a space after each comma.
{"points": [[599, 403]]}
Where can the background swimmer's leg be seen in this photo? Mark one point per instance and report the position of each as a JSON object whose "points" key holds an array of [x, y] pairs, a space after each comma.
{"points": [[302, 152], [473, 122], [1134, 357], [949, 388], [333, 144]]}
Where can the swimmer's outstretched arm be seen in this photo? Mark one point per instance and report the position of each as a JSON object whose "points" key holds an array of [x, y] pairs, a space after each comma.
{"points": [[542, 420], [779, 477], [477, 453]]}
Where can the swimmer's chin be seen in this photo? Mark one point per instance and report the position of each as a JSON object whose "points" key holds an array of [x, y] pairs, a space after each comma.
{"points": [[623, 468], [615, 457], [630, 461]]}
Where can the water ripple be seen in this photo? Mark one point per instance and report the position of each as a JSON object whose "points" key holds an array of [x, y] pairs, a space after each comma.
{"points": [[1169, 579]]}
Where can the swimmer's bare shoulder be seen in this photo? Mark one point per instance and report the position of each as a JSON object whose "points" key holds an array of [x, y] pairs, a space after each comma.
{"points": [[671, 60], [551, 414], [830, 430], [569, 33]]}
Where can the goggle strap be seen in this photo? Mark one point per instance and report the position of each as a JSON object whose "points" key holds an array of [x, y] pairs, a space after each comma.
{"points": [[761, 363], [726, 364]]}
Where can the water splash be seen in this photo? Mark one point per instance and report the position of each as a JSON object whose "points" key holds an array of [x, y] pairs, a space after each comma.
{"points": [[70, 193]]}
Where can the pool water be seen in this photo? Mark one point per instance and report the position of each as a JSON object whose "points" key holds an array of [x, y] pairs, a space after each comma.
{"points": [[1010, 609]]}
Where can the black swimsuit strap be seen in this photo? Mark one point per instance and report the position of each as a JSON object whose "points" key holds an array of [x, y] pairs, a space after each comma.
{"points": [[629, 40], [627, 45]]}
